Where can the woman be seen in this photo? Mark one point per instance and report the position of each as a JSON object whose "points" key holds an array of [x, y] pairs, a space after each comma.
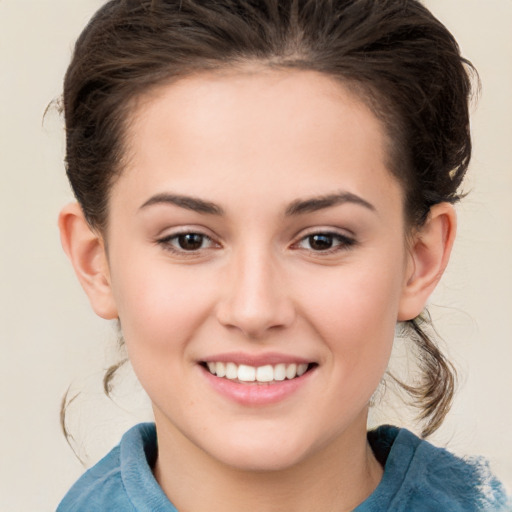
{"points": [[264, 191]]}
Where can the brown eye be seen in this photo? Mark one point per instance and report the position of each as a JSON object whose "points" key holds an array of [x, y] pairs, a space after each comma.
{"points": [[190, 241], [326, 242], [321, 242], [187, 242]]}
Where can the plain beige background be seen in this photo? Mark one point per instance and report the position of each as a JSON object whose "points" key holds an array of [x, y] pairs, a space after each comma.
{"points": [[51, 340]]}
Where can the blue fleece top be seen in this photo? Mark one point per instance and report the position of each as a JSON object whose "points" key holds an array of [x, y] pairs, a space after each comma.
{"points": [[418, 477]]}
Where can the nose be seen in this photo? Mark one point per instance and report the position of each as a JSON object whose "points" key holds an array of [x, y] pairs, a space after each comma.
{"points": [[255, 298]]}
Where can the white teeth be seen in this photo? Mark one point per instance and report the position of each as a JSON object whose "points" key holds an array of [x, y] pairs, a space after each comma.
{"points": [[301, 369], [220, 370], [266, 373], [279, 372], [231, 371], [246, 373], [291, 371]]}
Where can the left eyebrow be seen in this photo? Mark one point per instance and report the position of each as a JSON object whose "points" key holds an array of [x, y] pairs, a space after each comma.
{"points": [[314, 204]]}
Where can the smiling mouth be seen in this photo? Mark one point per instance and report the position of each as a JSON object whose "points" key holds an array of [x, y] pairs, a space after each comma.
{"points": [[260, 374]]}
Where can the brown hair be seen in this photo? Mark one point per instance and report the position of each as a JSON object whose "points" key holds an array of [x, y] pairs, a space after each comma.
{"points": [[394, 53]]}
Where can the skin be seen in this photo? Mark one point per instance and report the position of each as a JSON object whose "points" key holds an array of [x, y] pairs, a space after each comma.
{"points": [[255, 146]]}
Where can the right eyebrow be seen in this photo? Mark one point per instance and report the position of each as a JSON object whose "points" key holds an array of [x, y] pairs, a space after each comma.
{"points": [[188, 202]]}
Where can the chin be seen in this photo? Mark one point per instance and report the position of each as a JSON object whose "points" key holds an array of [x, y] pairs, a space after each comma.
{"points": [[255, 453], [261, 461]]}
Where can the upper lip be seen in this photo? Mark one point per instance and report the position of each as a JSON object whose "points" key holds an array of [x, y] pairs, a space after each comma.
{"points": [[270, 358]]}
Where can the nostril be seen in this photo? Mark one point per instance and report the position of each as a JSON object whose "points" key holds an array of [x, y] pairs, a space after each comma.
{"points": [[254, 318]]}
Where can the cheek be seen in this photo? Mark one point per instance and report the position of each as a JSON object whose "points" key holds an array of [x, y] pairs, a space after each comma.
{"points": [[356, 301], [355, 313], [160, 306], [160, 311]]}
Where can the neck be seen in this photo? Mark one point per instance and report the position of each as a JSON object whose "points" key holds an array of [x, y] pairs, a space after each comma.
{"points": [[336, 478]]}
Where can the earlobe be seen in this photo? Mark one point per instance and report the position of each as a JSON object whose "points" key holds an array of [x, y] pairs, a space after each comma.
{"points": [[429, 255], [85, 248]]}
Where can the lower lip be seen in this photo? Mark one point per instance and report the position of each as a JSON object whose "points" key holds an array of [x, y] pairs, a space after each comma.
{"points": [[255, 393]]}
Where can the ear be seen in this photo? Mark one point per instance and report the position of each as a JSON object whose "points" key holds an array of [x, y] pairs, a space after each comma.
{"points": [[86, 250], [428, 257]]}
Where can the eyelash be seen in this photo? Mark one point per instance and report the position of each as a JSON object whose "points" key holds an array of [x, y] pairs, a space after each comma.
{"points": [[338, 243], [168, 243]]}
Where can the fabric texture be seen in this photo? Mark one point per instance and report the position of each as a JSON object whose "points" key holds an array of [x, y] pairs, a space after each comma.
{"points": [[418, 477]]}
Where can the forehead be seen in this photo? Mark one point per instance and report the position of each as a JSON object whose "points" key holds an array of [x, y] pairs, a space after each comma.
{"points": [[283, 133]]}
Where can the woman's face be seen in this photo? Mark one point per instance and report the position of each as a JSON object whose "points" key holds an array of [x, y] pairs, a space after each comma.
{"points": [[257, 230]]}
